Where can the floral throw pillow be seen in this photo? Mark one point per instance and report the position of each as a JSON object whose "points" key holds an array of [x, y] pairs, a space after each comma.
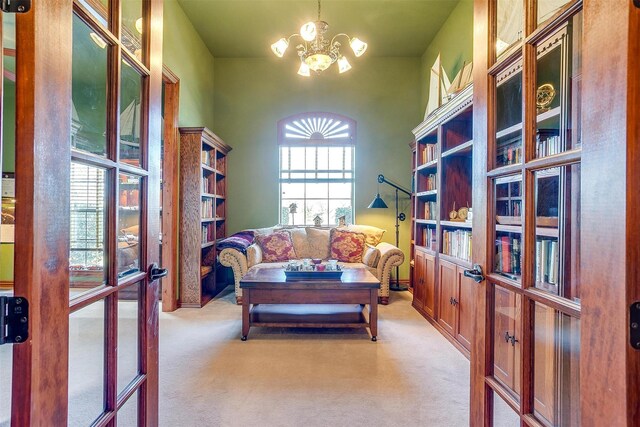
{"points": [[276, 247], [347, 246]]}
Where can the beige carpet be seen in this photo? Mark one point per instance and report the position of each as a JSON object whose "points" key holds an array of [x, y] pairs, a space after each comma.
{"points": [[286, 377]]}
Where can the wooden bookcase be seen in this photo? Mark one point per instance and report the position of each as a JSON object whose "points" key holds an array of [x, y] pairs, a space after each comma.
{"points": [[441, 245], [203, 167]]}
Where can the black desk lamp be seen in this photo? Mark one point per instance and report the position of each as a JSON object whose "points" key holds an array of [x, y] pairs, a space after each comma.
{"points": [[378, 203]]}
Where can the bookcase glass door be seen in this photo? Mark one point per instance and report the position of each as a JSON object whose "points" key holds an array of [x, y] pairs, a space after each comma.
{"points": [[534, 205]]}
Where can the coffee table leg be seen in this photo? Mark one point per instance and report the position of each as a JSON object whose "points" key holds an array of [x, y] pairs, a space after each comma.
{"points": [[245, 315], [373, 315]]}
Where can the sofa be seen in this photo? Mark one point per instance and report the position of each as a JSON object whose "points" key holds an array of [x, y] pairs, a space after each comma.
{"points": [[312, 242]]}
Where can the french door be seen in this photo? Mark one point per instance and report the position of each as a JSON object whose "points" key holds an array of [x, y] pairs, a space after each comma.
{"points": [[555, 126], [88, 127]]}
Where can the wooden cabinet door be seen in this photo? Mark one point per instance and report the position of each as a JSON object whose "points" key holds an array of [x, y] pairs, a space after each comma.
{"points": [[418, 279], [448, 279], [545, 364], [465, 309], [504, 323], [429, 285]]}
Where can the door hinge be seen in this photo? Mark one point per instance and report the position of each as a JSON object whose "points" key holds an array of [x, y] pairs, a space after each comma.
{"points": [[634, 325], [15, 6], [14, 320]]}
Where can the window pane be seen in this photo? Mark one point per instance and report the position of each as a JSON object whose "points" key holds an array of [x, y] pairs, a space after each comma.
{"points": [[558, 92], [86, 364], [508, 209], [291, 212], [128, 327], [132, 26], [348, 160], [340, 190], [323, 158], [284, 158], [99, 9], [89, 90], [509, 121], [128, 413], [292, 191], [503, 415], [336, 158], [556, 385], [546, 8], [510, 19], [310, 154], [338, 208], [558, 231], [316, 208], [297, 158], [88, 228], [317, 191], [130, 100], [129, 225]]}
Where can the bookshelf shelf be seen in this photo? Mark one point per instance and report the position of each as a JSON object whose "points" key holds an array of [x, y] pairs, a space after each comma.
{"points": [[517, 128], [456, 224], [426, 221], [460, 149], [202, 213], [427, 193], [554, 113], [427, 166]]}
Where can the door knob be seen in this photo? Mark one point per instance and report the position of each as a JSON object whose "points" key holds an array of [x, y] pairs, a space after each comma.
{"points": [[156, 272]]}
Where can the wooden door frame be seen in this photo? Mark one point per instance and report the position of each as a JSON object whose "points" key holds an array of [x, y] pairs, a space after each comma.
{"points": [[170, 186], [610, 265]]}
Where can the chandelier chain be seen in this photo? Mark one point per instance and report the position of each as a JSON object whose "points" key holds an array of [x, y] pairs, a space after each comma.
{"points": [[318, 10]]}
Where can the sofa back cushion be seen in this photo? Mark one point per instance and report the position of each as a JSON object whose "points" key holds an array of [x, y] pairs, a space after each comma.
{"points": [[372, 234], [371, 256], [300, 242], [276, 247], [318, 240], [347, 246]]}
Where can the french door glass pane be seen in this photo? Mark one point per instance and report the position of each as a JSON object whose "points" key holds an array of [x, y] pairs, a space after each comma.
{"points": [[556, 367], [86, 364], [557, 256], [87, 241], [546, 8], [509, 121], [509, 18], [128, 413], [89, 90], [509, 213], [506, 339], [132, 26], [99, 9], [128, 327], [129, 225], [503, 415], [558, 83], [130, 101]]}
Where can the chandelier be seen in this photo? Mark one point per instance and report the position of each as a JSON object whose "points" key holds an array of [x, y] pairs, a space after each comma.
{"points": [[317, 53]]}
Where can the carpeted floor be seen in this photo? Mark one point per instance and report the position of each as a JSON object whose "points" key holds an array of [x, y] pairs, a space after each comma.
{"points": [[280, 377], [286, 377]]}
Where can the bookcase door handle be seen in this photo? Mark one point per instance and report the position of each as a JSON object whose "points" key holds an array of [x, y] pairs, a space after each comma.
{"points": [[475, 273]]}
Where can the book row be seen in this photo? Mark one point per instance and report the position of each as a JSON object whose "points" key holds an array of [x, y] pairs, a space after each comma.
{"points": [[208, 233], [548, 146], [457, 244], [206, 158], [509, 155], [204, 187], [429, 210], [547, 261], [508, 256], [206, 208], [430, 182], [429, 238], [429, 153]]}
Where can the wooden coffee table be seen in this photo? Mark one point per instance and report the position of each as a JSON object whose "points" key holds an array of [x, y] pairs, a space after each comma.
{"points": [[337, 303]]}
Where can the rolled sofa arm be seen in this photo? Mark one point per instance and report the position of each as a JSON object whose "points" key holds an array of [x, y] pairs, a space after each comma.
{"points": [[238, 263], [390, 257]]}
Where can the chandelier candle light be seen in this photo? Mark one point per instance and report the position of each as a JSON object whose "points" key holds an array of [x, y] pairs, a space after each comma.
{"points": [[317, 53]]}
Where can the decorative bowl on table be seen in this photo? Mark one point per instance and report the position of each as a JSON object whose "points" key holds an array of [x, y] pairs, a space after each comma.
{"points": [[293, 274]]}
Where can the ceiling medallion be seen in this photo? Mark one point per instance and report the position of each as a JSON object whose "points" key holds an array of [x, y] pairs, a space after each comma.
{"points": [[317, 53]]}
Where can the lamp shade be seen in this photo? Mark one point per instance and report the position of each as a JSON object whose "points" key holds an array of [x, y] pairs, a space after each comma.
{"points": [[358, 46], [378, 203], [343, 65], [280, 47]]}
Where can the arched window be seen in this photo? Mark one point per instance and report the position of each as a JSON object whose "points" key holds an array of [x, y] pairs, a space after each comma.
{"points": [[316, 168]]}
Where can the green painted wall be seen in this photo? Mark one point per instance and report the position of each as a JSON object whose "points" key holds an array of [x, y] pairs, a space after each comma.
{"points": [[251, 95], [454, 42], [186, 55]]}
